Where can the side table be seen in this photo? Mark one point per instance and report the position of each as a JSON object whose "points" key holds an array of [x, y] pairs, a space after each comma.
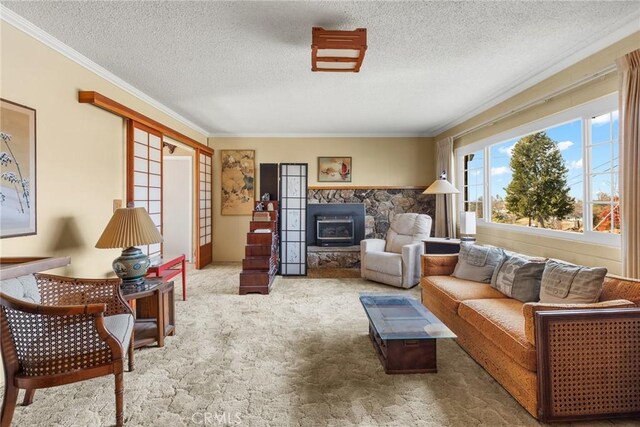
{"points": [[168, 267], [441, 246], [153, 306]]}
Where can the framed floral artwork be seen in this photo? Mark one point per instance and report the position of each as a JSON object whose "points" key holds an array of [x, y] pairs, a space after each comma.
{"points": [[238, 178], [334, 169], [17, 170]]}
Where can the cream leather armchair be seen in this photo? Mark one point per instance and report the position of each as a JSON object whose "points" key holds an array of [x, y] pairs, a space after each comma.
{"points": [[395, 260]]}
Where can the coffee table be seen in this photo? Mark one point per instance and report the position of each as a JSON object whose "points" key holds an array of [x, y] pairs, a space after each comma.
{"points": [[403, 332]]}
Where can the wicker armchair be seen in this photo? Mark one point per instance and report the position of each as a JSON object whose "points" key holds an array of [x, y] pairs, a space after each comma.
{"points": [[74, 334]]}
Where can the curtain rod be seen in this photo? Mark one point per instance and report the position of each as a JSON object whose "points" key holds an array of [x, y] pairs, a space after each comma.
{"points": [[546, 98]]}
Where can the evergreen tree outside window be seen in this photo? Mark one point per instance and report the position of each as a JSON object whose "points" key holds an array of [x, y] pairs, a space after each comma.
{"points": [[537, 180]]}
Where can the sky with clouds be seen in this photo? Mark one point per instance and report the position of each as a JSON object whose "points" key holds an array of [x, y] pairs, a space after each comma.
{"points": [[568, 138]]}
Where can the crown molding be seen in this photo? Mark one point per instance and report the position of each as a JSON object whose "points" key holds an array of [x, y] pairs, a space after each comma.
{"points": [[17, 21], [573, 56], [318, 135]]}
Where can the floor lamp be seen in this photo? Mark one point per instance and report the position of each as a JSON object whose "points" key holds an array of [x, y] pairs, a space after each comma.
{"points": [[442, 186]]}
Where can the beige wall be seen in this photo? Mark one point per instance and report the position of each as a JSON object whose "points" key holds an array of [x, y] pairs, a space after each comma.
{"points": [[588, 254], [80, 152], [376, 162]]}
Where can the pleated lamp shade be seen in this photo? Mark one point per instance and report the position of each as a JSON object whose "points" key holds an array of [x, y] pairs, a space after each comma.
{"points": [[129, 227], [441, 186]]}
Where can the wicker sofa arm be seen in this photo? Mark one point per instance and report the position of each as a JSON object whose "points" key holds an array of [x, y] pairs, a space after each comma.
{"points": [[51, 340], [588, 363], [438, 265], [530, 309], [59, 290]]}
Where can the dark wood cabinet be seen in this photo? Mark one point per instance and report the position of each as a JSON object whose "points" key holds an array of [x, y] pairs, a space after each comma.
{"points": [[260, 264]]}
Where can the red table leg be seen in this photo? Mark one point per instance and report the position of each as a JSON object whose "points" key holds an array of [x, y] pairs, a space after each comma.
{"points": [[184, 280]]}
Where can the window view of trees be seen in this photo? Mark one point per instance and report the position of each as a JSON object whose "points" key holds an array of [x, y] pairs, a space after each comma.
{"points": [[538, 189], [539, 180]]}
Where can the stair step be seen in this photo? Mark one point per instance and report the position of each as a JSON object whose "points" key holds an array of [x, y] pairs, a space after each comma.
{"points": [[260, 238], [254, 225], [257, 263], [257, 250]]}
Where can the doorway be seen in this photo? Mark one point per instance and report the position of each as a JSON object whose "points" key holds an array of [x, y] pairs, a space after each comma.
{"points": [[178, 205]]}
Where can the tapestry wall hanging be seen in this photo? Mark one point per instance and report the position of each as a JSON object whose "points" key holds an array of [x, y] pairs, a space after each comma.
{"points": [[238, 178], [17, 170]]}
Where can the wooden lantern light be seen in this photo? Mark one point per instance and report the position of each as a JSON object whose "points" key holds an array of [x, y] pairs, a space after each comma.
{"points": [[338, 51]]}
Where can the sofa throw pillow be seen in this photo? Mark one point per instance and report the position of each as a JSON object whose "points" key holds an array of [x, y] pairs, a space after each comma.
{"points": [[476, 262], [519, 277], [571, 284]]}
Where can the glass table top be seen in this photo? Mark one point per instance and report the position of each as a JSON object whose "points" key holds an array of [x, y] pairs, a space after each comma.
{"points": [[148, 284], [399, 317]]}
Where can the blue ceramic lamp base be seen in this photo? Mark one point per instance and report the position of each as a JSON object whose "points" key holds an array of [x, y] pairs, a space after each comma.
{"points": [[131, 266]]}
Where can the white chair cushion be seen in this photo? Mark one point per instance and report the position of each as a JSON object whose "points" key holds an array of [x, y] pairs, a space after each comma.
{"points": [[23, 288], [384, 262], [406, 229], [404, 223], [121, 327], [396, 241]]}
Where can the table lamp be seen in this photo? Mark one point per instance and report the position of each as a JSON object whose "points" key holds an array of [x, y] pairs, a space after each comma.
{"points": [[467, 226], [442, 186], [130, 227]]}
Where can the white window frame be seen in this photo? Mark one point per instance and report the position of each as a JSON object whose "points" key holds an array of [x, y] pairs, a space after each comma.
{"points": [[585, 112]]}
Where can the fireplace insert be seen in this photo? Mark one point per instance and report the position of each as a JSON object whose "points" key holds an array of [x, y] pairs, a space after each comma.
{"points": [[334, 230]]}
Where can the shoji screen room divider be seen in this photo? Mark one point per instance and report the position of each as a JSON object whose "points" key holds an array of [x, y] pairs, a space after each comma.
{"points": [[144, 180], [293, 219]]}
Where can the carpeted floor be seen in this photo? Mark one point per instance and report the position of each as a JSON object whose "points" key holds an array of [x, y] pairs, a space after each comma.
{"points": [[300, 356]]}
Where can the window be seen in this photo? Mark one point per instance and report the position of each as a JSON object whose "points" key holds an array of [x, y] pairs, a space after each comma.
{"points": [[556, 175], [473, 186], [540, 185], [604, 197]]}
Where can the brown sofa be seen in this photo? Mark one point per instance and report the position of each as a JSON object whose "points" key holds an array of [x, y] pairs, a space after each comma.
{"points": [[560, 362]]}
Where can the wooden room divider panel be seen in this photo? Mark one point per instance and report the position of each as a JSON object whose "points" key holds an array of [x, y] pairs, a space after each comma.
{"points": [[293, 219], [204, 172], [144, 175]]}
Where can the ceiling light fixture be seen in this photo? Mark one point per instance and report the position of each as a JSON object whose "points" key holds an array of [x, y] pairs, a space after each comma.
{"points": [[338, 51]]}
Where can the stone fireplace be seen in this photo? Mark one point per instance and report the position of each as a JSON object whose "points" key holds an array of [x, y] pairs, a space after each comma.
{"points": [[377, 207]]}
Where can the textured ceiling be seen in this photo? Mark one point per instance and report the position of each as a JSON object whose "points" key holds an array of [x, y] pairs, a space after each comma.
{"points": [[244, 67]]}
